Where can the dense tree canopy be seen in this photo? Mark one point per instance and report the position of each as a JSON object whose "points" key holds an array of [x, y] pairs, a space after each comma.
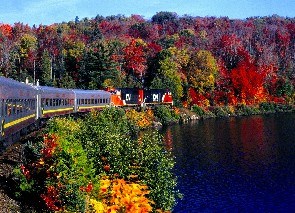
{"points": [[221, 60]]}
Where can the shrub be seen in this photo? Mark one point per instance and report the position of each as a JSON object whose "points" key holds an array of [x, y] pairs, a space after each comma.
{"points": [[220, 112], [118, 155], [198, 110], [118, 195], [142, 120], [166, 115], [154, 168], [283, 108], [66, 168], [60, 170], [267, 107], [243, 109]]}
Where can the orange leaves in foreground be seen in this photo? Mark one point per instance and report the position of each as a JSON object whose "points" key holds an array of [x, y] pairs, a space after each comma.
{"points": [[141, 119], [121, 196]]}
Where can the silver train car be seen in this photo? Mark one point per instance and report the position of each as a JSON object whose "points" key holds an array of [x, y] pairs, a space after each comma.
{"points": [[23, 106], [18, 107], [54, 101], [87, 100]]}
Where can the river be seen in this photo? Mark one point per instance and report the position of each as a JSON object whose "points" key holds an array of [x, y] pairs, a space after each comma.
{"points": [[244, 164]]}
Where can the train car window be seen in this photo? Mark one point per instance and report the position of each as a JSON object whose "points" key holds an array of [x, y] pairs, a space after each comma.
{"points": [[6, 108], [22, 106], [33, 104], [17, 107], [1, 105], [43, 102], [14, 107]]}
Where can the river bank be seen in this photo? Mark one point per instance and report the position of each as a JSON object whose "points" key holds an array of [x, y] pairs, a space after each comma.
{"points": [[197, 112]]}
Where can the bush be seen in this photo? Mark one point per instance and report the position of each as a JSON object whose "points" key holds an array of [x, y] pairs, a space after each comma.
{"points": [[66, 168], [221, 112], [155, 166], [59, 170], [283, 108], [243, 109], [267, 107], [198, 110], [118, 155], [166, 115], [142, 120]]}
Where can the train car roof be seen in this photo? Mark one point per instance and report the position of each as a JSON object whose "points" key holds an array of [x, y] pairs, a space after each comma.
{"points": [[53, 92], [53, 89], [91, 93], [12, 89]]}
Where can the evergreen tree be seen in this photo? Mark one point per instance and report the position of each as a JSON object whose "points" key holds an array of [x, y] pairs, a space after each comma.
{"points": [[46, 69], [97, 66]]}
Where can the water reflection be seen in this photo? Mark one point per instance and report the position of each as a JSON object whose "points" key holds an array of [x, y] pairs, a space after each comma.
{"points": [[235, 164]]}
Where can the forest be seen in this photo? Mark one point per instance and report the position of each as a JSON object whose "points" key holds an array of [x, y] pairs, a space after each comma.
{"points": [[208, 61]]}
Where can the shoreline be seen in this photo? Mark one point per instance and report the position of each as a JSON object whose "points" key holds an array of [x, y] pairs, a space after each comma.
{"points": [[200, 113]]}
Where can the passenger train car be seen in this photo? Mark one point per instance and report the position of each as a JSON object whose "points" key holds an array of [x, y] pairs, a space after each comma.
{"points": [[17, 106], [22, 105]]}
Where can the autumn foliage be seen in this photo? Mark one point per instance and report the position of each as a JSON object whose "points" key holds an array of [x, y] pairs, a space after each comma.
{"points": [[93, 166], [226, 61]]}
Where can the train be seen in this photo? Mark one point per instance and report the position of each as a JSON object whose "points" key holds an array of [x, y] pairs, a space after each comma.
{"points": [[22, 106]]}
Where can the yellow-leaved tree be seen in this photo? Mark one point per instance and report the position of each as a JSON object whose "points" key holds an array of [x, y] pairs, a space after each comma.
{"points": [[202, 71]]}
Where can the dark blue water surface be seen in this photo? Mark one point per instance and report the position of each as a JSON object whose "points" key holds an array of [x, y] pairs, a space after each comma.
{"points": [[236, 164]]}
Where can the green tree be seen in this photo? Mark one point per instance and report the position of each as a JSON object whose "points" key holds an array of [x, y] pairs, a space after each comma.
{"points": [[97, 66], [202, 71], [66, 81], [168, 76], [46, 75]]}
